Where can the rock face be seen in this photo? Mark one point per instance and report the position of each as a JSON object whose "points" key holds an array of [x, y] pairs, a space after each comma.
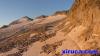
{"points": [[86, 13], [77, 30]]}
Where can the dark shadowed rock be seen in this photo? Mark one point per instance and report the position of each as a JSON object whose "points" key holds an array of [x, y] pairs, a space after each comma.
{"points": [[4, 26], [61, 12], [42, 16]]}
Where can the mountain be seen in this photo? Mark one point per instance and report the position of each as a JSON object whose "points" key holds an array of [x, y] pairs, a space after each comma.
{"points": [[77, 29], [60, 12], [24, 19], [40, 17]]}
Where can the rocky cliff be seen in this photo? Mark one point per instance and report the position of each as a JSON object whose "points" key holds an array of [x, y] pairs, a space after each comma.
{"points": [[78, 29]]}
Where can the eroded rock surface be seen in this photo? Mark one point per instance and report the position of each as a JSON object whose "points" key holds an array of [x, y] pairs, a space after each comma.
{"points": [[78, 29]]}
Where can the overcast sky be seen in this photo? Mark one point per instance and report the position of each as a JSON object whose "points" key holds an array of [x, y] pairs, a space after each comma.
{"points": [[11, 10]]}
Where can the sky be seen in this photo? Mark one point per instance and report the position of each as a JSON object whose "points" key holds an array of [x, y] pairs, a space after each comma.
{"points": [[11, 10]]}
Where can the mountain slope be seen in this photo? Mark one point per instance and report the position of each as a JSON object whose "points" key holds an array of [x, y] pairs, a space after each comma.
{"points": [[23, 35], [78, 29], [24, 19]]}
